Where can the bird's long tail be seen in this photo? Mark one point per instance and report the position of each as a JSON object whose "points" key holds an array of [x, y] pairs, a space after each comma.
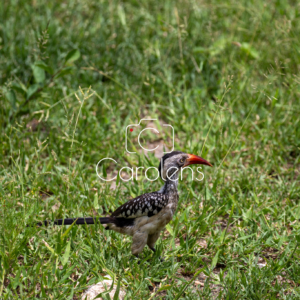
{"points": [[78, 221]]}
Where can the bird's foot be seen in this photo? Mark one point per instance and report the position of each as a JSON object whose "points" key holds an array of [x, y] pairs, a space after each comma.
{"points": [[137, 256], [154, 250]]}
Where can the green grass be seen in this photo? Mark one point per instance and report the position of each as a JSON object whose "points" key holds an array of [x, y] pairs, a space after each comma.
{"points": [[225, 74]]}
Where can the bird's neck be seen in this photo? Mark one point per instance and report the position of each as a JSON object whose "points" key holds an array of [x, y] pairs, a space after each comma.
{"points": [[170, 185]]}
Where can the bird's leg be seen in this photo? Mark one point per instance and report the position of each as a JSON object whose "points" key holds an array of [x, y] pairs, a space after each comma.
{"points": [[152, 238], [139, 241]]}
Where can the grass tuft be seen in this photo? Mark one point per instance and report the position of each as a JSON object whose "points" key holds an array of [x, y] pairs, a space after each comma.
{"points": [[74, 74]]}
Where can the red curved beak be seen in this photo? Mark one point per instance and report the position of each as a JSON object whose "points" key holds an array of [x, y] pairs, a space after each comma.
{"points": [[194, 159]]}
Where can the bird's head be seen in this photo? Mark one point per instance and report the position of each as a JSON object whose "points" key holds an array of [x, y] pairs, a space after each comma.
{"points": [[172, 162]]}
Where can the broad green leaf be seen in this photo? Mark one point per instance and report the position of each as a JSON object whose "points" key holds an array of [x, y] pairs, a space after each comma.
{"points": [[43, 291], [50, 248], [58, 243], [116, 295], [64, 71], [38, 266], [122, 15], [43, 66], [32, 90], [67, 274], [200, 50], [38, 74], [218, 46], [164, 288], [246, 237], [170, 230], [215, 260], [249, 50], [68, 230], [21, 88], [11, 97], [96, 204], [72, 56], [104, 171], [16, 280], [66, 255], [118, 179]]}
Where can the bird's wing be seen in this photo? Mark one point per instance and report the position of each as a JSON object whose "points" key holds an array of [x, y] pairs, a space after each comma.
{"points": [[145, 205]]}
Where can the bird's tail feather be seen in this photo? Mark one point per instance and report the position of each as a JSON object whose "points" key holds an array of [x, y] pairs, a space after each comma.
{"points": [[78, 221]]}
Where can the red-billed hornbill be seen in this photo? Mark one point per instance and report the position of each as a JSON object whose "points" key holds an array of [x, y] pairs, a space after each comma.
{"points": [[145, 216]]}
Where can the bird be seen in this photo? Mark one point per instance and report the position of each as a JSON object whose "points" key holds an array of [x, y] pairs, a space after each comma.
{"points": [[145, 216]]}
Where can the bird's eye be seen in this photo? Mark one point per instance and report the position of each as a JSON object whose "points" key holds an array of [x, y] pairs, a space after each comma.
{"points": [[181, 161]]}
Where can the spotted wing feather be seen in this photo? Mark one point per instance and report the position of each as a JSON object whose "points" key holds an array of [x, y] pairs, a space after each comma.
{"points": [[145, 205]]}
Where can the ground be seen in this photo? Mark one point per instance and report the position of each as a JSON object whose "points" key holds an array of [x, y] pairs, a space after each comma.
{"points": [[224, 74]]}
